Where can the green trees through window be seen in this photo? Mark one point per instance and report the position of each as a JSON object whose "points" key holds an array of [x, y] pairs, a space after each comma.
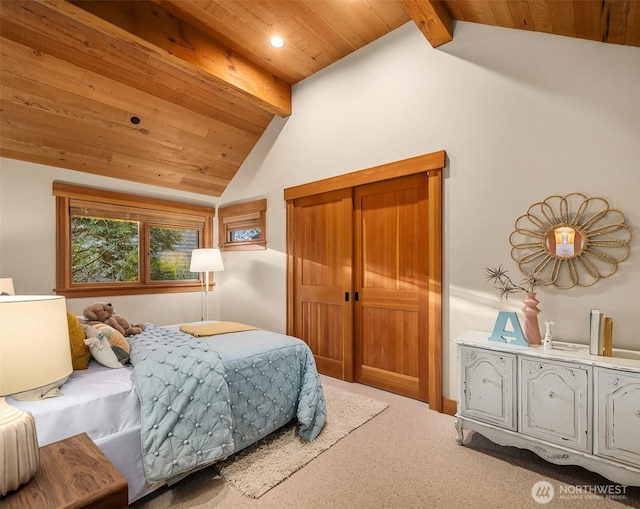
{"points": [[170, 252], [107, 251], [112, 243], [104, 250]]}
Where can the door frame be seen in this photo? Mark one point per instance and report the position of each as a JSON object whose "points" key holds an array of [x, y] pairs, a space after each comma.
{"points": [[432, 164]]}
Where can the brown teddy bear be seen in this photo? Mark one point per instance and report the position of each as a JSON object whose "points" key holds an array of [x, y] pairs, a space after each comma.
{"points": [[105, 312]]}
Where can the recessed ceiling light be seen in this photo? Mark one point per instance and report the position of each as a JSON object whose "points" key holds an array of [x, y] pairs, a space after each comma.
{"points": [[277, 42]]}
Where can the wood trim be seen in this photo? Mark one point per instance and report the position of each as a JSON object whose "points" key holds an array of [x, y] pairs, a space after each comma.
{"points": [[434, 161], [63, 242], [76, 293], [290, 268], [449, 406], [244, 246], [84, 193], [434, 290]]}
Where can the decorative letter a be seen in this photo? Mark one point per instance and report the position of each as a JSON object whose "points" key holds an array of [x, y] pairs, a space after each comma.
{"points": [[502, 334]]}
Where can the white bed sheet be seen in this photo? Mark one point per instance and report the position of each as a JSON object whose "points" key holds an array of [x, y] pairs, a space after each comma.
{"points": [[102, 403], [98, 401]]}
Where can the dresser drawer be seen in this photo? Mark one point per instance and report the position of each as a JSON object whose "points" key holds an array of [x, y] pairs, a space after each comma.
{"points": [[555, 402], [488, 386], [617, 415]]}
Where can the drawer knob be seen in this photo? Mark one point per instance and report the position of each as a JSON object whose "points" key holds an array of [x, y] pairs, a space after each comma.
{"points": [[484, 381], [637, 413], [552, 394]]}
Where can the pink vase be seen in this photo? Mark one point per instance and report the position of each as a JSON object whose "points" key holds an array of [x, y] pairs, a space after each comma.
{"points": [[531, 327]]}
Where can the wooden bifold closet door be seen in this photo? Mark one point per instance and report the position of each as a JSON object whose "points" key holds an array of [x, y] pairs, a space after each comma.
{"points": [[390, 276], [322, 264], [364, 279]]}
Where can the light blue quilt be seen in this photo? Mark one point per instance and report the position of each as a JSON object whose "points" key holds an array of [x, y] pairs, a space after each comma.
{"points": [[204, 398]]}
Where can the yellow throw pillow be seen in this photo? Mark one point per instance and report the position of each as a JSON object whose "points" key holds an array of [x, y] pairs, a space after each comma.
{"points": [[80, 354]]}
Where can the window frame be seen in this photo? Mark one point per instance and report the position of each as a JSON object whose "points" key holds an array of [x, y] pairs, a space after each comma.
{"points": [[162, 213], [239, 217]]}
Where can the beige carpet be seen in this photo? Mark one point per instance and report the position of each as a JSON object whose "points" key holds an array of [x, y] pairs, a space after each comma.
{"points": [[257, 469], [405, 458]]}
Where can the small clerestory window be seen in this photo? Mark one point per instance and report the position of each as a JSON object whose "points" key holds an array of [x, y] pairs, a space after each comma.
{"points": [[243, 226]]}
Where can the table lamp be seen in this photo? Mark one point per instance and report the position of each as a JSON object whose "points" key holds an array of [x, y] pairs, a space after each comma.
{"points": [[6, 286], [206, 260], [29, 359]]}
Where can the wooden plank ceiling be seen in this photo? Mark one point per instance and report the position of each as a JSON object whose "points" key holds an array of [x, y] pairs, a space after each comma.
{"points": [[176, 93]]}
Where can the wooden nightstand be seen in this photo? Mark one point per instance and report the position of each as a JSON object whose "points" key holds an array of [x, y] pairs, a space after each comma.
{"points": [[73, 473]]}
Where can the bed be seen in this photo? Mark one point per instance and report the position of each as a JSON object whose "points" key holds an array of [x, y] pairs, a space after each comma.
{"points": [[154, 419]]}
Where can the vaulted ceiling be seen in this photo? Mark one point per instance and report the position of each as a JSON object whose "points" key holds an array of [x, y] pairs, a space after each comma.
{"points": [[176, 93]]}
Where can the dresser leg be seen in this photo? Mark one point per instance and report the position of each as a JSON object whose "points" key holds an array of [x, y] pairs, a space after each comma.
{"points": [[460, 437]]}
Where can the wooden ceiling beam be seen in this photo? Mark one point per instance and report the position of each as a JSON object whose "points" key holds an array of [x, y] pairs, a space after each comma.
{"points": [[432, 19], [160, 28], [158, 45]]}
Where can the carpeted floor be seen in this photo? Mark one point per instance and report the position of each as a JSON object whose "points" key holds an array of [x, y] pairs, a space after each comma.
{"points": [[406, 458], [257, 469]]}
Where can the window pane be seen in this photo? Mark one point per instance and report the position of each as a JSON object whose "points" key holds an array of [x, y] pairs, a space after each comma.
{"points": [[244, 235], [103, 250], [170, 253]]}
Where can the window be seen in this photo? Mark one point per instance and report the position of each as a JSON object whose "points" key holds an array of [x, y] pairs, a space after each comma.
{"points": [[243, 226], [120, 244]]}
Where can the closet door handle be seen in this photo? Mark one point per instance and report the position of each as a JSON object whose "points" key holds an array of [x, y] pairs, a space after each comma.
{"points": [[356, 297], [346, 296]]}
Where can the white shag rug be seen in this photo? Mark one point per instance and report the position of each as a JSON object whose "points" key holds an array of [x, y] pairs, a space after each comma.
{"points": [[267, 463]]}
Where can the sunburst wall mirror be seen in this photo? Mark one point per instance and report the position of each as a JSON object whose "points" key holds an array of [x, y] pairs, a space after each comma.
{"points": [[570, 240]]}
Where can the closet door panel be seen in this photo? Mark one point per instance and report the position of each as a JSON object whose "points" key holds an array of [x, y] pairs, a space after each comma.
{"points": [[391, 335], [390, 276], [322, 241]]}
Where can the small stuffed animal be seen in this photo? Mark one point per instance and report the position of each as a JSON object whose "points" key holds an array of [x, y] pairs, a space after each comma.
{"points": [[105, 312]]}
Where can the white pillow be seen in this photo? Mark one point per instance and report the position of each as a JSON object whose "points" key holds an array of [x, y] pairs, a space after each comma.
{"points": [[102, 352]]}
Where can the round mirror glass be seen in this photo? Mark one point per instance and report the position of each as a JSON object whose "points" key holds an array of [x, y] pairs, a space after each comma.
{"points": [[564, 242]]}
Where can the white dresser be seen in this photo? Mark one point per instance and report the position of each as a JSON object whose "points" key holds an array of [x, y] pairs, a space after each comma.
{"points": [[565, 405]]}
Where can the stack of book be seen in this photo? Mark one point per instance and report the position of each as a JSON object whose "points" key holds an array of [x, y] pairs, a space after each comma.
{"points": [[601, 333]]}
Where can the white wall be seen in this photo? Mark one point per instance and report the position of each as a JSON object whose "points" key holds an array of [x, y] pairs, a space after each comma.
{"points": [[28, 241], [521, 116]]}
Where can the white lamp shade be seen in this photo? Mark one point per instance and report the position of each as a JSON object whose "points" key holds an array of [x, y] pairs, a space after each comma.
{"points": [[32, 357], [6, 286], [206, 260]]}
